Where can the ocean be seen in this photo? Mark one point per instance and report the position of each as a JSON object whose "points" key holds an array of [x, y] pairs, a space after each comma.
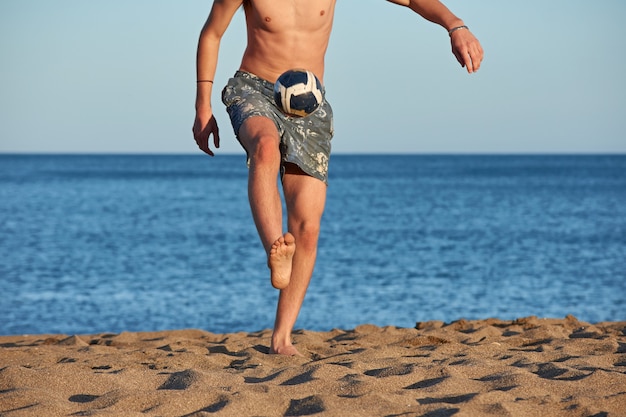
{"points": [[112, 243]]}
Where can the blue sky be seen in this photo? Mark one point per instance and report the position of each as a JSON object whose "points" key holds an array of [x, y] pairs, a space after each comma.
{"points": [[119, 77]]}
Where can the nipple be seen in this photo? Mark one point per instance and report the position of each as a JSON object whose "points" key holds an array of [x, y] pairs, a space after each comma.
{"points": [[268, 19]]}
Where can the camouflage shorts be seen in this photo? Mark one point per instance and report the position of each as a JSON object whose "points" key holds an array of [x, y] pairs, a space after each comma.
{"points": [[304, 141]]}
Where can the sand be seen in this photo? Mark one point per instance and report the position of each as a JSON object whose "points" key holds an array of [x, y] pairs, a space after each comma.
{"points": [[525, 367]]}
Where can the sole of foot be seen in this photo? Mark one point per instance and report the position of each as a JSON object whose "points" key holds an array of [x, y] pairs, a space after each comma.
{"points": [[279, 260]]}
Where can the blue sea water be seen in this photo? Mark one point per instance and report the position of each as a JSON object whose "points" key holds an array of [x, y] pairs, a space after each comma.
{"points": [[111, 243]]}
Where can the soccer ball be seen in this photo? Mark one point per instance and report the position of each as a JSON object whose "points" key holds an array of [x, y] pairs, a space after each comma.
{"points": [[298, 92]]}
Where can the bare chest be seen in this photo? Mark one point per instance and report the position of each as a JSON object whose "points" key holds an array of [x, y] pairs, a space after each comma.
{"points": [[289, 15]]}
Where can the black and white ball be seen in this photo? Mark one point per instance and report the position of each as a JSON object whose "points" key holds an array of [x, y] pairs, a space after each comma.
{"points": [[298, 92]]}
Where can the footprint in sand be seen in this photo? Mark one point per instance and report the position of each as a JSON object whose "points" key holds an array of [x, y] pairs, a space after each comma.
{"points": [[306, 406], [390, 371], [451, 399], [181, 380], [302, 378], [500, 381], [83, 398], [427, 383], [213, 408]]}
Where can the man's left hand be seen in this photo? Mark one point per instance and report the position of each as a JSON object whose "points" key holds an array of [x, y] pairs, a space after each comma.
{"points": [[467, 49]]}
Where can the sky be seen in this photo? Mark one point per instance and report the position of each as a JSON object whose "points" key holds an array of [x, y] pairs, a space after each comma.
{"points": [[119, 77]]}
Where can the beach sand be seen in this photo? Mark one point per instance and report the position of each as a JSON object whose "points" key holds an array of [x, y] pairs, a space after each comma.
{"points": [[524, 367]]}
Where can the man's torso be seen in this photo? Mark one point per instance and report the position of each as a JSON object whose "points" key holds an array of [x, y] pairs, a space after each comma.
{"points": [[285, 34]]}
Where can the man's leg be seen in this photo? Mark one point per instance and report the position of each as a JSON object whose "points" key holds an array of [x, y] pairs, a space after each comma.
{"points": [[259, 137], [305, 198]]}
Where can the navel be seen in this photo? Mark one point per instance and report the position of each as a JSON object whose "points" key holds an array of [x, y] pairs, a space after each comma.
{"points": [[322, 13]]}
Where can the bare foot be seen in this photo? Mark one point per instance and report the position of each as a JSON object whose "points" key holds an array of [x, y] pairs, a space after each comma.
{"points": [[279, 260], [289, 350]]}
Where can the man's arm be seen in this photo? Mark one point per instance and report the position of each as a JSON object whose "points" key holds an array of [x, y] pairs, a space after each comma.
{"points": [[205, 124], [465, 46]]}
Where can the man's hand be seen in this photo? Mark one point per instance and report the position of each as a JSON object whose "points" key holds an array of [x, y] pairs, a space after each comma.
{"points": [[466, 49], [203, 127]]}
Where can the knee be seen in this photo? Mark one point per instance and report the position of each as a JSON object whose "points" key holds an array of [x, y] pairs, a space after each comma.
{"points": [[265, 151], [307, 234]]}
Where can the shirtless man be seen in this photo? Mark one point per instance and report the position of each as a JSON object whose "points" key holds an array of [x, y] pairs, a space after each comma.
{"points": [[286, 34]]}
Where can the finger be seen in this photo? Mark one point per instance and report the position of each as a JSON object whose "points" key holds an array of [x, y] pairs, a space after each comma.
{"points": [[465, 59], [216, 137], [202, 138], [459, 58], [204, 147], [469, 63], [478, 57], [203, 144], [475, 55]]}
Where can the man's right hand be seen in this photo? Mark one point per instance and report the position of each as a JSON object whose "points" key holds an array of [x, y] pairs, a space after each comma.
{"points": [[203, 127]]}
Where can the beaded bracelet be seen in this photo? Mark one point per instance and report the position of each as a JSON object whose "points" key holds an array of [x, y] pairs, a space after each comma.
{"points": [[451, 31]]}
